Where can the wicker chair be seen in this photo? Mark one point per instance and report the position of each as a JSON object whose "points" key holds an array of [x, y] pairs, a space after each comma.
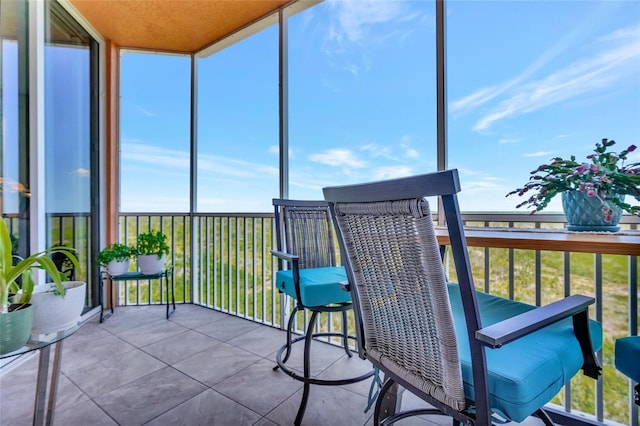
{"points": [[308, 273], [470, 355]]}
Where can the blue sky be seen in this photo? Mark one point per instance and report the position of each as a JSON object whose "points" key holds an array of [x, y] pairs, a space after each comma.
{"points": [[527, 81]]}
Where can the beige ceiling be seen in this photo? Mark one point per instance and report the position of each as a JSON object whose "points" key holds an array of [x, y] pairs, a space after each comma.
{"points": [[172, 25]]}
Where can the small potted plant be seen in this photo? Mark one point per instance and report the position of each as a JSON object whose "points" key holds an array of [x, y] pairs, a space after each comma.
{"points": [[152, 250], [16, 319], [116, 258], [593, 191]]}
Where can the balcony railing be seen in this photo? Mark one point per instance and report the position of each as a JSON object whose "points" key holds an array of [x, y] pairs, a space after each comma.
{"points": [[223, 261], [232, 271]]}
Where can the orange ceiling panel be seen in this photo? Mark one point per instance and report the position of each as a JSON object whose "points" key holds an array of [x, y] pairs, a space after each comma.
{"points": [[172, 25]]}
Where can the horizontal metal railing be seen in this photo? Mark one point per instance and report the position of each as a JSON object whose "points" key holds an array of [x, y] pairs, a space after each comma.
{"points": [[177, 227], [541, 276], [70, 230], [231, 269], [223, 261]]}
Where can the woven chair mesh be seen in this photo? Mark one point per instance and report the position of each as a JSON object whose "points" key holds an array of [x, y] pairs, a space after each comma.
{"points": [[400, 280], [310, 236]]}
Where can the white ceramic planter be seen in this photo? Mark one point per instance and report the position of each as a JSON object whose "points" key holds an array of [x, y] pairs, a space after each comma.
{"points": [[52, 313], [150, 264], [116, 267]]}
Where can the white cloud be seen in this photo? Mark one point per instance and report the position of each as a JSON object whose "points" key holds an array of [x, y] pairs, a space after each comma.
{"points": [[482, 185], [485, 193], [355, 20], [487, 94], [230, 203], [132, 201], [275, 149], [233, 167], [411, 153], [138, 108], [305, 185], [329, 85], [356, 27], [393, 152], [144, 111], [475, 99], [468, 172], [633, 157], [538, 154], [155, 156], [391, 172], [622, 34], [338, 157], [352, 68], [588, 76], [376, 151], [176, 161], [405, 145], [478, 182], [83, 172]]}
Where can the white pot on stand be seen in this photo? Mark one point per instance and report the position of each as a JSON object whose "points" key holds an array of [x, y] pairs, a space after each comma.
{"points": [[118, 267], [151, 264]]}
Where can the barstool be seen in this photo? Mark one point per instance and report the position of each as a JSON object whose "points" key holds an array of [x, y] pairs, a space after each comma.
{"points": [[307, 272]]}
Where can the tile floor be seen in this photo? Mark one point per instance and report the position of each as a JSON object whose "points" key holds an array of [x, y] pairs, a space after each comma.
{"points": [[200, 367]]}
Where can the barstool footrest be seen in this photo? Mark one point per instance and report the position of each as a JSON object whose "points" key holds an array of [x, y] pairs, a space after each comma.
{"points": [[313, 380]]}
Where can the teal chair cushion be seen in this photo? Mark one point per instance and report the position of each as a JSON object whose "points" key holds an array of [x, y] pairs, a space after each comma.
{"points": [[318, 286], [524, 374], [627, 354]]}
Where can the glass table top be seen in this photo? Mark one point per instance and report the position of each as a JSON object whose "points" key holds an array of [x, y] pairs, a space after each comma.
{"points": [[46, 340]]}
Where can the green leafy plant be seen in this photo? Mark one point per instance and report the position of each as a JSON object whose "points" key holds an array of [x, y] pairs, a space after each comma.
{"points": [[115, 251], [10, 271], [603, 176], [152, 242]]}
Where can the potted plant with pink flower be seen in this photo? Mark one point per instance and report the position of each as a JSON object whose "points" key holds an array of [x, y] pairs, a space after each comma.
{"points": [[593, 191]]}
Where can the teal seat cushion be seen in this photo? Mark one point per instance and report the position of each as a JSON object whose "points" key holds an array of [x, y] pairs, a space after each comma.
{"points": [[526, 373], [627, 354], [318, 286]]}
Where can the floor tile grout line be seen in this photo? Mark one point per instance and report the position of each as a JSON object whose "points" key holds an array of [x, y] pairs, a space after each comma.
{"points": [[93, 401], [268, 358]]}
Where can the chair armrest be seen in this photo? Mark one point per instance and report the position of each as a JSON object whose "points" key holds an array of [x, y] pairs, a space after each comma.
{"points": [[285, 256], [293, 261], [518, 326]]}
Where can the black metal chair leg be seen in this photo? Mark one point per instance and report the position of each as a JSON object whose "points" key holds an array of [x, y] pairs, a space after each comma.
{"points": [[292, 318], [385, 404], [542, 415], [307, 368], [345, 334]]}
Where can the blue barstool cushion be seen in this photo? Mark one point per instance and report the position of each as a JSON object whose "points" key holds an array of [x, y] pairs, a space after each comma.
{"points": [[627, 355], [526, 373], [318, 286]]}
